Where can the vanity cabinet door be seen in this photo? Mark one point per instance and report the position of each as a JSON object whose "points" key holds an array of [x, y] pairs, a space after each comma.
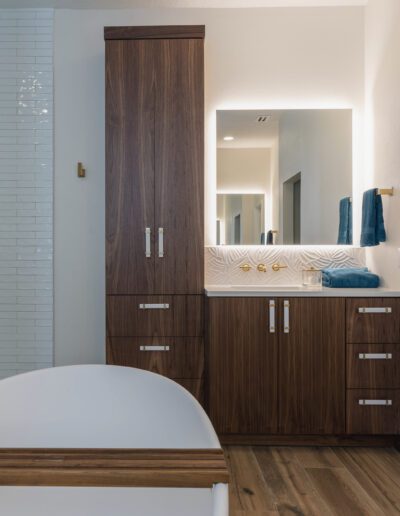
{"points": [[179, 164], [130, 141], [312, 366], [242, 360]]}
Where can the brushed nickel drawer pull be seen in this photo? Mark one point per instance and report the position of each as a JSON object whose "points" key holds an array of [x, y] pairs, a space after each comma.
{"points": [[376, 310], [272, 316], [375, 356], [154, 348], [286, 323], [385, 403], [154, 306], [148, 248], [161, 242]]}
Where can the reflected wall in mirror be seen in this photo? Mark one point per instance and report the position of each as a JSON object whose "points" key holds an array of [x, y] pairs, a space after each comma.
{"points": [[281, 177]]}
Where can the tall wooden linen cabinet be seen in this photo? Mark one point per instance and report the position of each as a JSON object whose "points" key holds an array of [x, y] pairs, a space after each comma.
{"points": [[155, 200]]}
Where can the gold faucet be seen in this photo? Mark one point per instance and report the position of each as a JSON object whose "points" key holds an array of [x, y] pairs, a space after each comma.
{"points": [[261, 267], [276, 267], [245, 267]]}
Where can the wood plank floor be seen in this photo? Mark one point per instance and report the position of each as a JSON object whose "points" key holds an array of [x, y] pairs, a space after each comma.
{"points": [[313, 481]]}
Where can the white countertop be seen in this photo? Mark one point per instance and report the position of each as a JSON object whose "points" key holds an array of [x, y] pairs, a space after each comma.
{"points": [[294, 291]]}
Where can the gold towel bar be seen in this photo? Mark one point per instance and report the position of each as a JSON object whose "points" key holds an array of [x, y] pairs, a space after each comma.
{"points": [[385, 191]]}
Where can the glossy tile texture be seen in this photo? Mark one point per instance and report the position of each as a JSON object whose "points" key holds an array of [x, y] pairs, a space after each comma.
{"points": [[26, 190]]}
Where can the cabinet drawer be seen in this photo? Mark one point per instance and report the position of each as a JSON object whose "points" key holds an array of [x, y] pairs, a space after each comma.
{"points": [[373, 320], [147, 316], [373, 411], [177, 357], [373, 366]]}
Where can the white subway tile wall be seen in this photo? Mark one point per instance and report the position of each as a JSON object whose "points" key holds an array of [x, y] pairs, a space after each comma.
{"points": [[26, 190]]}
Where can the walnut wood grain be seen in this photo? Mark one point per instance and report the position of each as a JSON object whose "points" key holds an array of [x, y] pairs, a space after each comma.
{"points": [[179, 165], [117, 468], [130, 165], [373, 373], [184, 359], [373, 328], [155, 32], [194, 386], [242, 359], [307, 440], [312, 368], [183, 318], [366, 419]]}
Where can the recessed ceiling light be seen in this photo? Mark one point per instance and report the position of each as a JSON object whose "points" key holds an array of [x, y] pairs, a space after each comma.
{"points": [[228, 138]]}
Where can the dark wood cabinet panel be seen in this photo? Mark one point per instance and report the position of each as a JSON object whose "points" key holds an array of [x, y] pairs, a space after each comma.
{"points": [[155, 32], [130, 167], [182, 357], [374, 366], [242, 359], [179, 164], [312, 367], [195, 387], [373, 419], [182, 318], [367, 327]]}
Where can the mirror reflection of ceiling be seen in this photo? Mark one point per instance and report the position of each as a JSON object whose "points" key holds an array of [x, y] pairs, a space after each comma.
{"points": [[250, 129]]}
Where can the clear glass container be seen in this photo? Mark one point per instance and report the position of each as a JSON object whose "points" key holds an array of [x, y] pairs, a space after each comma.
{"points": [[312, 278]]}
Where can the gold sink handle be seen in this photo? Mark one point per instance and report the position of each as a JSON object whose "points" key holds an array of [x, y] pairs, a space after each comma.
{"points": [[276, 267], [245, 267]]}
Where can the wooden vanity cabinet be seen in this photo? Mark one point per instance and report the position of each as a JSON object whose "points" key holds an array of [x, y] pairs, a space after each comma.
{"points": [[312, 368], [242, 366], [154, 199], [287, 381], [373, 366]]}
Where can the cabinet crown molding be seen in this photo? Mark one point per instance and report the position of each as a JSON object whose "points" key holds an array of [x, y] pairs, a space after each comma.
{"points": [[156, 32]]}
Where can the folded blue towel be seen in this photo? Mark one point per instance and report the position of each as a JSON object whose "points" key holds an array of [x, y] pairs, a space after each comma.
{"points": [[345, 235], [372, 226], [349, 278]]}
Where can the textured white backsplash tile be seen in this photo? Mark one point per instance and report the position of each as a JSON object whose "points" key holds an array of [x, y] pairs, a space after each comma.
{"points": [[26, 190], [222, 263]]}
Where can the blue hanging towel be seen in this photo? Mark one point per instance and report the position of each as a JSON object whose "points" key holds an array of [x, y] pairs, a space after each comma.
{"points": [[345, 235], [372, 226]]}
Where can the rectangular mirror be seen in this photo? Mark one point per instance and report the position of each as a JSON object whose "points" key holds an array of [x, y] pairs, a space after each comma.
{"points": [[284, 177]]}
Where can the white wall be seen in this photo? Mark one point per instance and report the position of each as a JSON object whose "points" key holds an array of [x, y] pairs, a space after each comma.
{"points": [[382, 88], [255, 59]]}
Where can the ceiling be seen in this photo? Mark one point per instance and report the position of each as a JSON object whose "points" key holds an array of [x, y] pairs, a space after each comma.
{"points": [[246, 130], [125, 4]]}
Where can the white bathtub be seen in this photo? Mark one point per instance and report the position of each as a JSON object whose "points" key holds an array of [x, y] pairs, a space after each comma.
{"points": [[96, 406]]}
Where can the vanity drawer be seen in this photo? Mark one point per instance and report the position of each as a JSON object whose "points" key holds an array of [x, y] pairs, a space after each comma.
{"points": [[147, 316], [374, 366], [373, 320], [373, 411], [175, 357]]}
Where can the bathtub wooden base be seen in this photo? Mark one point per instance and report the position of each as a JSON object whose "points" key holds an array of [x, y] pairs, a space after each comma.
{"points": [[112, 467]]}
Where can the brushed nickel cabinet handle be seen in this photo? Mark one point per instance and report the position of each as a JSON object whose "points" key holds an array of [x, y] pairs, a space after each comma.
{"points": [[286, 321], [154, 306], [161, 242], [154, 348], [375, 310], [375, 356], [148, 244], [272, 316], [383, 403]]}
